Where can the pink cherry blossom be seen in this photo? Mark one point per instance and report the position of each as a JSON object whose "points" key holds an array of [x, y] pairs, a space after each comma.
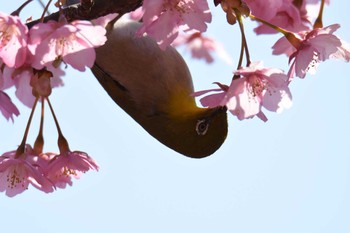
{"points": [[202, 46], [69, 164], [13, 40], [258, 87], [313, 47], [60, 181], [17, 172], [162, 20], [73, 43]]}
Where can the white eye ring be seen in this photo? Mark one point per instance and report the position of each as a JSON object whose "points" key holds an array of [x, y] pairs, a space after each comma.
{"points": [[202, 127]]}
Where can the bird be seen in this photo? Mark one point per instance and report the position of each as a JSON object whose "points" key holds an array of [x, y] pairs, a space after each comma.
{"points": [[154, 87]]}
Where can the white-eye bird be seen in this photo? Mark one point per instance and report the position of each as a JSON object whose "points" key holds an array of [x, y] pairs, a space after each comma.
{"points": [[154, 87]]}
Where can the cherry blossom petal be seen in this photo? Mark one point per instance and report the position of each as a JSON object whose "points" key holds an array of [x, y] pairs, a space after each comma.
{"points": [[322, 43], [23, 87], [283, 46], [91, 36], [241, 101], [213, 100], [164, 30], [7, 108], [278, 96]]}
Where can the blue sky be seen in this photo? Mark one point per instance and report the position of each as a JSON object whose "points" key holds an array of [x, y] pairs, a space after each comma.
{"points": [[291, 174]]}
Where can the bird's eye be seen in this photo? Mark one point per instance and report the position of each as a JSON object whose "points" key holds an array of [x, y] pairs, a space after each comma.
{"points": [[202, 126]]}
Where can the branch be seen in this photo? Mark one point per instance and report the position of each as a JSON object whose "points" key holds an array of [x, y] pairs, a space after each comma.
{"points": [[92, 9]]}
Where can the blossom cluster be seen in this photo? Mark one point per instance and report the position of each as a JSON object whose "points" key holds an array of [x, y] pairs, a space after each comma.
{"points": [[31, 61], [45, 46], [44, 171]]}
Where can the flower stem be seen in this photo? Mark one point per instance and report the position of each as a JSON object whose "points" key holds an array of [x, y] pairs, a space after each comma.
{"points": [[240, 61], [62, 141], [45, 10], [16, 12], [39, 142], [281, 30], [318, 23], [289, 35], [21, 147], [244, 39]]}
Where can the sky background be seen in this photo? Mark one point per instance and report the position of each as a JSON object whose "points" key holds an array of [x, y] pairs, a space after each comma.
{"points": [[291, 174]]}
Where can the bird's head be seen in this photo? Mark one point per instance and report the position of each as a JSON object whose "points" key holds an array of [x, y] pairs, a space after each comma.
{"points": [[192, 131], [200, 134]]}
